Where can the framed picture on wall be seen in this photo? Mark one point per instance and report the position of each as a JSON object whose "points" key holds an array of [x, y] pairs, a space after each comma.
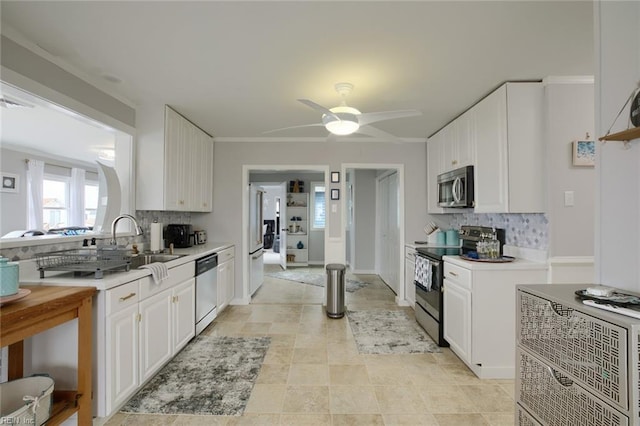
{"points": [[335, 194], [335, 177], [584, 153], [9, 182]]}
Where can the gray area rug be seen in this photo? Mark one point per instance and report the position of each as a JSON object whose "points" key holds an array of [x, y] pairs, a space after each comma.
{"points": [[210, 376], [389, 332], [318, 280]]}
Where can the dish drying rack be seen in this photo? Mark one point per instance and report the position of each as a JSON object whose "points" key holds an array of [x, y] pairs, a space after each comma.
{"points": [[84, 261]]}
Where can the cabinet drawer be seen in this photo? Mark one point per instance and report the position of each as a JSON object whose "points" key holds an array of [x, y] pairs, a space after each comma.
{"points": [[593, 352], [557, 400], [176, 275], [122, 296], [410, 254], [460, 275], [226, 254], [524, 419]]}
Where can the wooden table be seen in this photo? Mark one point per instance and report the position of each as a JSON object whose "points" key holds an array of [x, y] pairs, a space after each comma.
{"points": [[45, 308]]}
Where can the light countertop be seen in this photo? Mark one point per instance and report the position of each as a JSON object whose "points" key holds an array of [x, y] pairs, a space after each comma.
{"points": [[517, 264], [29, 274]]}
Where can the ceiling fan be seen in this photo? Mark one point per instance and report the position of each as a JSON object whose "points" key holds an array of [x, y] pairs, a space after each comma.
{"points": [[344, 120]]}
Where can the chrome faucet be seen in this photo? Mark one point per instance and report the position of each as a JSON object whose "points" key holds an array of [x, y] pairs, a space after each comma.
{"points": [[115, 223]]}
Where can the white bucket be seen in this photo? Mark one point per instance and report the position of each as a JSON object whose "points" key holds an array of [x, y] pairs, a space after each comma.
{"points": [[26, 401]]}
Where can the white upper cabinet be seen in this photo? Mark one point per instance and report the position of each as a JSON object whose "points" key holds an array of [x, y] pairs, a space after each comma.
{"points": [[458, 142], [451, 148], [501, 136], [435, 161], [509, 168], [175, 171]]}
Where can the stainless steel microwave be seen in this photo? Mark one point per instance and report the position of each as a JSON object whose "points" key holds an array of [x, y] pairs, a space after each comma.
{"points": [[455, 188]]}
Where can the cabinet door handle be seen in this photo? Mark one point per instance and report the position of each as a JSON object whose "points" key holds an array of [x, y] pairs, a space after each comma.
{"points": [[453, 273], [128, 296]]}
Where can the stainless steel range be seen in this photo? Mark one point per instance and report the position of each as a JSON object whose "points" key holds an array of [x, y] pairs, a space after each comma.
{"points": [[429, 277]]}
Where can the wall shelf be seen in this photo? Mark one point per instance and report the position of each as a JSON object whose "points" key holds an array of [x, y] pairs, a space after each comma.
{"points": [[623, 136]]}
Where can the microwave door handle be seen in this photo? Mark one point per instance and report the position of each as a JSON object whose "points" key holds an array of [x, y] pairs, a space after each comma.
{"points": [[456, 185]]}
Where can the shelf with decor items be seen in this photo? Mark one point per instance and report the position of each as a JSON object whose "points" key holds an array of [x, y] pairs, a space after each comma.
{"points": [[297, 229]]}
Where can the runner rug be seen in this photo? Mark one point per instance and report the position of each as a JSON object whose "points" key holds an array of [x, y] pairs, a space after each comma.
{"points": [[389, 332], [318, 280], [211, 375]]}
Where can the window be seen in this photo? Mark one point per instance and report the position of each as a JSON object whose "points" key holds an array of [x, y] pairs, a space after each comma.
{"points": [[318, 205], [55, 193], [90, 203]]}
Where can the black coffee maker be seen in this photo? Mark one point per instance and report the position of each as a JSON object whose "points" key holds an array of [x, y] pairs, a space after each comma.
{"points": [[179, 235]]}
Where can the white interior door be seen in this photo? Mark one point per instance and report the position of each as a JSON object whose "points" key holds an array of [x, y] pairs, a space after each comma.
{"points": [[283, 225]]}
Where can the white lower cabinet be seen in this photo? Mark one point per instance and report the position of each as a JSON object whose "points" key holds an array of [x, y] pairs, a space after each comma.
{"points": [[457, 319], [146, 325], [122, 356], [183, 297], [479, 307], [409, 272], [225, 277], [155, 333]]}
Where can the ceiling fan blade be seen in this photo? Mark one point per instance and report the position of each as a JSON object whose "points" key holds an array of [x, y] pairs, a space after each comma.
{"points": [[319, 107], [377, 133], [294, 127], [372, 117]]}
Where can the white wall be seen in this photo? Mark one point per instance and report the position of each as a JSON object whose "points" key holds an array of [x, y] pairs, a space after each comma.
{"points": [[569, 116], [225, 222], [617, 31], [13, 206]]}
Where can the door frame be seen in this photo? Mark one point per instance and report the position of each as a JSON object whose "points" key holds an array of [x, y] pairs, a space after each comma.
{"points": [[246, 170], [399, 169]]}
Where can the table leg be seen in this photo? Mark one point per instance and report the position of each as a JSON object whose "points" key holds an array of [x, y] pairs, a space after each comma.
{"points": [[85, 349], [16, 361]]}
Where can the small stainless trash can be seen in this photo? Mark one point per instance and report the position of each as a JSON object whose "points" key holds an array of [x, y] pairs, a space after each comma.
{"points": [[335, 290]]}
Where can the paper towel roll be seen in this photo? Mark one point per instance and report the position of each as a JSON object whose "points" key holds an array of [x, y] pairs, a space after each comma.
{"points": [[156, 237]]}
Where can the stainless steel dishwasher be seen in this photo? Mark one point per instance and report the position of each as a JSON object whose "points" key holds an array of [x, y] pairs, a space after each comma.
{"points": [[206, 291]]}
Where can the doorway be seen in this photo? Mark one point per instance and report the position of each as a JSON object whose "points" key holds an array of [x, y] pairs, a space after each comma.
{"points": [[289, 219], [373, 222]]}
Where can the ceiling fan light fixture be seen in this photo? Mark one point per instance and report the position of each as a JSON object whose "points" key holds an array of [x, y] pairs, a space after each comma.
{"points": [[347, 122]]}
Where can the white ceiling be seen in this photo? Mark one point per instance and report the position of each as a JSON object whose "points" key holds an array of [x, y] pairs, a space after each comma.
{"points": [[236, 68]]}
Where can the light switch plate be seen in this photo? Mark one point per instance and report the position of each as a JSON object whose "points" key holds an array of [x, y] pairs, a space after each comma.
{"points": [[568, 199]]}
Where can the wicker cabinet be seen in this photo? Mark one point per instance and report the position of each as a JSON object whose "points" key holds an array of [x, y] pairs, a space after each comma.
{"points": [[576, 365]]}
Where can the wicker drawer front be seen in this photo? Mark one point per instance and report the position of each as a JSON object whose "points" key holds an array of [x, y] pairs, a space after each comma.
{"points": [[592, 351], [524, 419], [556, 400]]}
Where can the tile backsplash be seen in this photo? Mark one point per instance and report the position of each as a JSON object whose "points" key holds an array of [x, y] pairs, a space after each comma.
{"points": [[145, 218], [529, 230]]}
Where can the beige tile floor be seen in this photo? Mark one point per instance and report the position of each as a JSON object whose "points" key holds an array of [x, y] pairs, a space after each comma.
{"points": [[313, 374]]}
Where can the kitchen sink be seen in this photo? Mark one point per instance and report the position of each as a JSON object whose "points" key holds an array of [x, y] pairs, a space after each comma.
{"points": [[145, 259]]}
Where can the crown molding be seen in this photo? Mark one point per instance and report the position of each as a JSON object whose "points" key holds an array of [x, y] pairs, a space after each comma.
{"points": [[315, 140]]}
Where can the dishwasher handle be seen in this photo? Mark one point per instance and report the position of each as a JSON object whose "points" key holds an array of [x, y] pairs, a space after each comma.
{"points": [[207, 263]]}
